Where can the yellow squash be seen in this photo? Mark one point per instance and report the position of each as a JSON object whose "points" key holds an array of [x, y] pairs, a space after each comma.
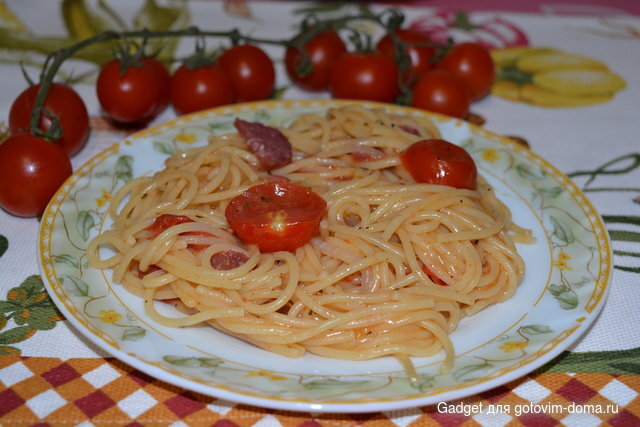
{"points": [[552, 78]]}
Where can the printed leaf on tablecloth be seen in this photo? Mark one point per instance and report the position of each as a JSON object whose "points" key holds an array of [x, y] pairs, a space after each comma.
{"points": [[30, 309], [611, 362], [4, 244]]}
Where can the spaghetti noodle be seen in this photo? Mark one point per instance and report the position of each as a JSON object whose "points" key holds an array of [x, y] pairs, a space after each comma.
{"points": [[395, 266]]}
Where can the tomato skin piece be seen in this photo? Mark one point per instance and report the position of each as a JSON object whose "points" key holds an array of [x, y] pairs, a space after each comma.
{"points": [[420, 56], [138, 95], [199, 88], [368, 76], [472, 64], [165, 221], [436, 161], [441, 92], [252, 74], [67, 106], [323, 50], [31, 171], [276, 215]]}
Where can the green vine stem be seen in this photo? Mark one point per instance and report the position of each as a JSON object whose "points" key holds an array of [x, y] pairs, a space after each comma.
{"points": [[389, 19]]}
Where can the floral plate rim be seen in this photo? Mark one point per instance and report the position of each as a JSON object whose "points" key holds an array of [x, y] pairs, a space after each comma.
{"points": [[562, 291]]}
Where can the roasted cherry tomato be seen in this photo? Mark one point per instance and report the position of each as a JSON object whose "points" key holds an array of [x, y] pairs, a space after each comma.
{"points": [[31, 171], [195, 89], [165, 221], [252, 74], [136, 96], [62, 102], [276, 216], [365, 75], [416, 44], [442, 92], [472, 64], [436, 161], [323, 50]]}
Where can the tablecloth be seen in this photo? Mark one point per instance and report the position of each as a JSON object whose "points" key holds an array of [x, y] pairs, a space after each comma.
{"points": [[51, 375]]}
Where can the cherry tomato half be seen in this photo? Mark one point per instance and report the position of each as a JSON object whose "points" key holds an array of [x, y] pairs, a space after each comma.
{"points": [[436, 161], [136, 96], [276, 216], [472, 64], [323, 50], [252, 74], [370, 76], [195, 89], [61, 101], [442, 92], [31, 171], [419, 55]]}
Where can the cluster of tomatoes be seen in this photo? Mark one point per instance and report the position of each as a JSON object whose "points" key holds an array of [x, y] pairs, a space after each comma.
{"points": [[445, 83], [133, 93], [130, 94]]}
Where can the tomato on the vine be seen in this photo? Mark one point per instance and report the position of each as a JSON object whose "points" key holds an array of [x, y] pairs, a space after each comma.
{"points": [[472, 64], [136, 96], [441, 92], [323, 50], [195, 89], [417, 48], [276, 216], [63, 103], [252, 74], [436, 161], [371, 76], [31, 171]]}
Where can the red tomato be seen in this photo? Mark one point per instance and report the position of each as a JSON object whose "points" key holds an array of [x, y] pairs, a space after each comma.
{"points": [[323, 50], [65, 104], [276, 216], [138, 95], [200, 88], [436, 161], [370, 76], [442, 92], [165, 221], [472, 64], [31, 171], [252, 74], [420, 56]]}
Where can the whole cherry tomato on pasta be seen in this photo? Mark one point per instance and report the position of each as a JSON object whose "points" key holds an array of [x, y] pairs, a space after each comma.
{"points": [[31, 171], [63, 103], [418, 49], [472, 64], [370, 76], [276, 216], [137, 94], [196, 89], [323, 51], [436, 161], [252, 74], [441, 92]]}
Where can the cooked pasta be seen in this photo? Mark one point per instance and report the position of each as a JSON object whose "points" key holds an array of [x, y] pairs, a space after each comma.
{"points": [[393, 269]]}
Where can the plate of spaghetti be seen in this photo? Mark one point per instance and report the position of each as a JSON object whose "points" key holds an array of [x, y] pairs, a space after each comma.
{"points": [[325, 256]]}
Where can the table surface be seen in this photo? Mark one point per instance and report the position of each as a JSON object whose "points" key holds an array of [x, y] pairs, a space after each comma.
{"points": [[49, 373]]}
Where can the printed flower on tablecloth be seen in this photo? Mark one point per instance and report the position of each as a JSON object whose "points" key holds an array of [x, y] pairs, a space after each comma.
{"points": [[549, 77], [493, 32]]}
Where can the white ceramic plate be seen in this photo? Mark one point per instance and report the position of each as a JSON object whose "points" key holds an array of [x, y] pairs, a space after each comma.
{"points": [[565, 286]]}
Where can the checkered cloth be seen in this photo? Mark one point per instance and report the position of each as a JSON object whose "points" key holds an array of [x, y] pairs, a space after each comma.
{"points": [[54, 391]]}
